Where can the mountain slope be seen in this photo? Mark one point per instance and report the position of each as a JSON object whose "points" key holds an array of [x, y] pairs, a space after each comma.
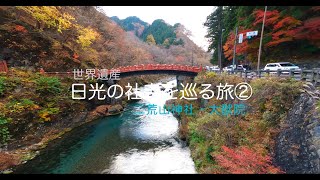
{"points": [[160, 31], [172, 42], [131, 23], [83, 38]]}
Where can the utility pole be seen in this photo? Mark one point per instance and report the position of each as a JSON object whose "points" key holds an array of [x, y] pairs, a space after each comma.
{"points": [[221, 50], [264, 19], [220, 32], [234, 48]]}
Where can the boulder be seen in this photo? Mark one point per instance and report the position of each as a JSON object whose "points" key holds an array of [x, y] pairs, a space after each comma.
{"points": [[7, 161], [115, 109], [103, 110]]}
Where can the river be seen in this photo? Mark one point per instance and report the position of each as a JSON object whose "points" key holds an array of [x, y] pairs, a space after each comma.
{"points": [[132, 142]]}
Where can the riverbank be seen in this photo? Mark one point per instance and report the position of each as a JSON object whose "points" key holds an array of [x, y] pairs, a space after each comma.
{"points": [[249, 143], [36, 110]]}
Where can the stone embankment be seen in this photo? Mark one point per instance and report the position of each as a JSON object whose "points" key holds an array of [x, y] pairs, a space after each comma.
{"points": [[298, 144]]}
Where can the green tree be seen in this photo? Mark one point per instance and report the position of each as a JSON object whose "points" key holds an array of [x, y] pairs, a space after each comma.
{"points": [[150, 39], [48, 85], [4, 131], [214, 25], [160, 31], [2, 85], [178, 42], [229, 21]]}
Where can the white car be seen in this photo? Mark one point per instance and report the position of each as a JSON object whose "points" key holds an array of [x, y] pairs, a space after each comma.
{"points": [[228, 68], [241, 68], [214, 68], [231, 68], [281, 66]]}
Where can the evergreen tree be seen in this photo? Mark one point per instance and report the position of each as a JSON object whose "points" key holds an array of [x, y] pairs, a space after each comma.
{"points": [[178, 42], [160, 31], [214, 25]]}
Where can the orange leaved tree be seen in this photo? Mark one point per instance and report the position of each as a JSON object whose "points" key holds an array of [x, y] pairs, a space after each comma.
{"points": [[244, 160]]}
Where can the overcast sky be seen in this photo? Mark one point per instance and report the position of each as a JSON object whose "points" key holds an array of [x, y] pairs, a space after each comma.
{"points": [[192, 17]]}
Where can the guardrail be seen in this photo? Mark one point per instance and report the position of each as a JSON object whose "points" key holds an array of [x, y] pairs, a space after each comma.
{"points": [[312, 76]]}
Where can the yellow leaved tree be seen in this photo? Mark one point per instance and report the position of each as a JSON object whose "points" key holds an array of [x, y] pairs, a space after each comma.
{"points": [[50, 16], [150, 39], [86, 36]]}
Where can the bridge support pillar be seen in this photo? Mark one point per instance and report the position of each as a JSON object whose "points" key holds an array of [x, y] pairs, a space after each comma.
{"points": [[179, 81], [109, 100]]}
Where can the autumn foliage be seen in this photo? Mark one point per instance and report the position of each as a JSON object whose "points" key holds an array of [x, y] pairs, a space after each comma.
{"points": [[242, 48], [287, 28], [281, 28], [180, 58], [244, 160], [309, 31], [19, 28], [271, 17]]}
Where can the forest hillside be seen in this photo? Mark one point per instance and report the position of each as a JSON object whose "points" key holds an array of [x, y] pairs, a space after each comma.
{"points": [[63, 38], [291, 33]]}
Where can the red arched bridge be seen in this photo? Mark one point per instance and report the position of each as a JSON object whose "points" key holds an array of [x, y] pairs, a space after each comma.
{"points": [[186, 70], [143, 69], [159, 69]]}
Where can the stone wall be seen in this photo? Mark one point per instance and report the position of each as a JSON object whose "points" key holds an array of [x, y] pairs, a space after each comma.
{"points": [[298, 144]]}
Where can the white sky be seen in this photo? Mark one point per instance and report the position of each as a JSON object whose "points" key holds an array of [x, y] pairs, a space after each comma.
{"points": [[192, 17]]}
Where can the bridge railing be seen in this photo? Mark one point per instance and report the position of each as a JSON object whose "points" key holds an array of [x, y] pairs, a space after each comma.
{"points": [[312, 76], [144, 67]]}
